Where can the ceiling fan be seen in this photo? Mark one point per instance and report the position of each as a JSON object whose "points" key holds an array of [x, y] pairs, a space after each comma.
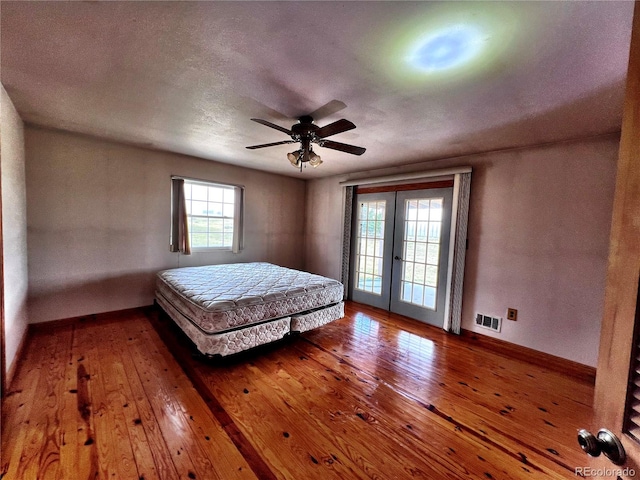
{"points": [[306, 132]]}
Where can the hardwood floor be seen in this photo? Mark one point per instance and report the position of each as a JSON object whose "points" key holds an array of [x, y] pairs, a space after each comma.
{"points": [[372, 395]]}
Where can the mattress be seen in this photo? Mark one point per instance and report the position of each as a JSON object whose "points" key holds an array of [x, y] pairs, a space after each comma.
{"points": [[220, 298]]}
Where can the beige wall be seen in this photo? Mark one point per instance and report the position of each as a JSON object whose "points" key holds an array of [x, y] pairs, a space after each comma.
{"points": [[539, 226], [324, 227], [14, 226], [538, 231], [98, 221]]}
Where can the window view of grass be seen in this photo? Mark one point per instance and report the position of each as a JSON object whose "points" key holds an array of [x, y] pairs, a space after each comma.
{"points": [[422, 226], [370, 241], [421, 251], [210, 210]]}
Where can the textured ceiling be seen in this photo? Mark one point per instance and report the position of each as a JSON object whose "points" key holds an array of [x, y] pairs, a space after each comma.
{"points": [[188, 76]]}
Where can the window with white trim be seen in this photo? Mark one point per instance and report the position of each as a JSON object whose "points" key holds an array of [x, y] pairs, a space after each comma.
{"points": [[213, 215]]}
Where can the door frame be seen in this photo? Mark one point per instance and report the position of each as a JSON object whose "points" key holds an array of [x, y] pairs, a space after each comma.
{"points": [[3, 349], [623, 272], [461, 177]]}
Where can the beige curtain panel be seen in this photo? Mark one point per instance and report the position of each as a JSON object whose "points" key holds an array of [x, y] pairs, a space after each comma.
{"points": [[239, 223], [179, 224]]}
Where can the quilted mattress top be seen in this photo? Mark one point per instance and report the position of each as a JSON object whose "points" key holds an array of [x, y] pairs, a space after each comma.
{"points": [[218, 297]]}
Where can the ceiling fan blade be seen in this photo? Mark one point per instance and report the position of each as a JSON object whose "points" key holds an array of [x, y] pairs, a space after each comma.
{"points": [[253, 147], [343, 147], [338, 126], [272, 125], [329, 108]]}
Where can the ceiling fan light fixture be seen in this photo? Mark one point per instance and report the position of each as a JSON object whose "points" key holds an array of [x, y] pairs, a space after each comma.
{"points": [[314, 159], [294, 158]]}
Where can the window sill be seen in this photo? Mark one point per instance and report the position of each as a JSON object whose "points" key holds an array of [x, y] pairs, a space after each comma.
{"points": [[210, 249]]}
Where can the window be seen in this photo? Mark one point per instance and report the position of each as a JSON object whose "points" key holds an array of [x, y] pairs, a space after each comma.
{"points": [[210, 213], [370, 238], [213, 214]]}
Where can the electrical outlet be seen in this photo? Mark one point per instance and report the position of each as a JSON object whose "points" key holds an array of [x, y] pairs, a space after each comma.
{"points": [[512, 314]]}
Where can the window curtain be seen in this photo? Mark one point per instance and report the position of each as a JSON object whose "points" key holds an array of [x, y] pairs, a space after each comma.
{"points": [[179, 225], [462, 192], [346, 238], [237, 244]]}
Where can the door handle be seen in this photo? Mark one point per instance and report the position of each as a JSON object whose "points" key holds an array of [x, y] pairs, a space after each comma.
{"points": [[397, 258], [605, 442]]}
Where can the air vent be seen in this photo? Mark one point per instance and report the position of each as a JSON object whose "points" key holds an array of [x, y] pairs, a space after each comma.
{"points": [[488, 322]]}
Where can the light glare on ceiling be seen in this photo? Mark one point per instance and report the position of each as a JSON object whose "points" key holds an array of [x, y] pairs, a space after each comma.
{"points": [[451, 43], [447, 48]]}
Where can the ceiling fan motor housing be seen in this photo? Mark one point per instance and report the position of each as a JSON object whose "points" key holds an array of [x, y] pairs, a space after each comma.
{"points": [[305, 127]]}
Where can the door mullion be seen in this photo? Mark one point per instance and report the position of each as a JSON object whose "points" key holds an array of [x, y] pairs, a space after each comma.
{"points": [[392, 252]]}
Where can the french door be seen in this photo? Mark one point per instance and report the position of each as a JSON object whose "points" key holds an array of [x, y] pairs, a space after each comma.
{"points": [[400, 252]]}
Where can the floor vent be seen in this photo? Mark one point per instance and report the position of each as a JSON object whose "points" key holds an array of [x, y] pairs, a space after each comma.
{"points": [[485, 321]]}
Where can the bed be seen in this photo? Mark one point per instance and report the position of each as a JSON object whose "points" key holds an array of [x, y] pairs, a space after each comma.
{"points": [[226, 309]]}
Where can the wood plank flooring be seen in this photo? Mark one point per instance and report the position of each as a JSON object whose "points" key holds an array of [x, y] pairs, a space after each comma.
{"points": [[373, 395]]}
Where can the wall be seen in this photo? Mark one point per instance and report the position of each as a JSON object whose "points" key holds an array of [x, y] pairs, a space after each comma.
{"points": [[539, 225], [14, 227], [324, 227], [99, 216]]}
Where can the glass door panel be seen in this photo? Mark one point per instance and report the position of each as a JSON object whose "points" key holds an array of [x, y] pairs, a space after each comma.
{"points": [[421, 246], [400, 252], [370, 243], [373, 237]]}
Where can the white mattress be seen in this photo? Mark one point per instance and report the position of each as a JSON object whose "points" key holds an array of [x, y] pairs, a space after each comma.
{"points": [[217, 298]]}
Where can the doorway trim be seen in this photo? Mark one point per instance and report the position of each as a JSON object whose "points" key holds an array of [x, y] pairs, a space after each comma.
{"points": [[458, 237], [3, 347]]}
